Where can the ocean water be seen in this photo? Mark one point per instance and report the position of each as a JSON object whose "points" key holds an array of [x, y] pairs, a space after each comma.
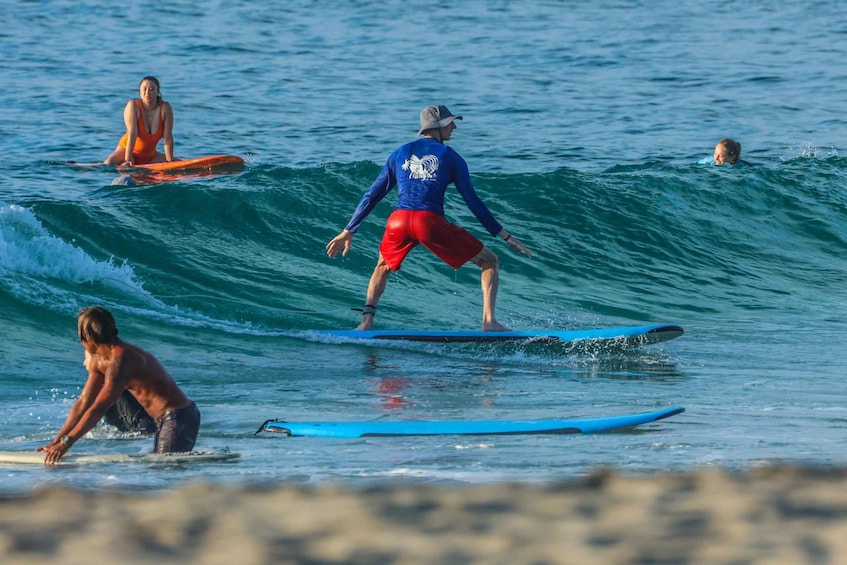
{"points": [[584, 124]]}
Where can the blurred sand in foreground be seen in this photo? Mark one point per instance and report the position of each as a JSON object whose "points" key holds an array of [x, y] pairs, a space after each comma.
{"points": [[790, 515]]}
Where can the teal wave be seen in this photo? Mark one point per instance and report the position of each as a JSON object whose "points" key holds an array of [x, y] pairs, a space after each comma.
{"points": [[245, 253]]}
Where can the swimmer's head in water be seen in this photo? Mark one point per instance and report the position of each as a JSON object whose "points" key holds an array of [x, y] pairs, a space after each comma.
{"points": [[727, 151]]}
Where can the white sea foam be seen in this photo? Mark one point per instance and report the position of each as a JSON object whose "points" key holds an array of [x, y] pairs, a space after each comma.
{"points": [[36, 264]]}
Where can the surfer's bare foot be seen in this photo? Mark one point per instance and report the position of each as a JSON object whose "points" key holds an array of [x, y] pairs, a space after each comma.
{"points": [[494, 327], [368, 313], [367, 322]]}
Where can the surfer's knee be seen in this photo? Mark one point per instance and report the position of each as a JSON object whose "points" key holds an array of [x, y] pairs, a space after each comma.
{"points": [[115, 158], [381, 269], [486, 259]]}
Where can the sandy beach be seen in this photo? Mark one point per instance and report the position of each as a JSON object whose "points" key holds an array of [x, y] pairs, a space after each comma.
{"points": [[790, 515]]}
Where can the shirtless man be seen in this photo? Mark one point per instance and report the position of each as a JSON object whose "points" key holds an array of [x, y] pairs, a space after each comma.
{"points": [[126, 414], [422, 170], [115, 366], [147, 119]]}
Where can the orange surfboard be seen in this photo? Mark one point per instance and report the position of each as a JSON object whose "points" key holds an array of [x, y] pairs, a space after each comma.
{"points": [[197, 164]]}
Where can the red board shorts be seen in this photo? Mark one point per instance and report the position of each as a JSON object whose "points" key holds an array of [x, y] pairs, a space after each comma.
{"points": [[405, 229]]}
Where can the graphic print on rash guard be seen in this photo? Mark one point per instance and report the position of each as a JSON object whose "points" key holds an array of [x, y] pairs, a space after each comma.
{"points": [[423, 168]]}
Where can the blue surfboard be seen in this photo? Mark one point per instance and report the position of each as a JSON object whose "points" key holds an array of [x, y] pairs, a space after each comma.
{"points": [[631, 335], [466, 427]]}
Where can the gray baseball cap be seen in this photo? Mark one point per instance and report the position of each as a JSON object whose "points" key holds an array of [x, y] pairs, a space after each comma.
{"points": [[434, 117]]}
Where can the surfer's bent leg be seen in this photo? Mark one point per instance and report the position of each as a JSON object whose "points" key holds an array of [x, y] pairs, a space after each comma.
{"points": [[178, 430], [490, 281], [376, 287]]}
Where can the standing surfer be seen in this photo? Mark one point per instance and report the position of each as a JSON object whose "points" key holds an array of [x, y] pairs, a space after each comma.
{"points": [[422, 170]]}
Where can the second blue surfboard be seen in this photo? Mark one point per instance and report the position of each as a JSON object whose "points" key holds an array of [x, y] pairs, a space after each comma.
{"points": [[464, 427]]}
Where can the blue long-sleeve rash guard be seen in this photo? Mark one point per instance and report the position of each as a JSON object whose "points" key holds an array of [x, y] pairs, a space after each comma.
{"points": [[422, 170]]}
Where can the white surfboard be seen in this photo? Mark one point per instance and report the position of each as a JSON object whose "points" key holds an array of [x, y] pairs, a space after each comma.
{"points": [[37, 457]]}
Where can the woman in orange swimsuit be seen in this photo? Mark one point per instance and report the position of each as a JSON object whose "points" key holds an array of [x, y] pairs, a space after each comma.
{"points": [[147, 120]]}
